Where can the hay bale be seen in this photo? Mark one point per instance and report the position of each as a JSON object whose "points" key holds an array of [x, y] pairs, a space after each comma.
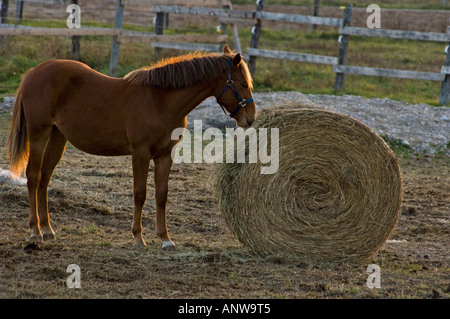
{"points": [[335, 198]]}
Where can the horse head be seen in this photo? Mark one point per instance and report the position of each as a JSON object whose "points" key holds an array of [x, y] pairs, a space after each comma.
{"points": [[234, 92]]}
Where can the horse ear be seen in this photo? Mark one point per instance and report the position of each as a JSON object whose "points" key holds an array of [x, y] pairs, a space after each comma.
{"points": [[237, 59], [226, 49]]}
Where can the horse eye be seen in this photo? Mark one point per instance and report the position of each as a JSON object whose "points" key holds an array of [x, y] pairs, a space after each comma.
{"points": [[245, 85]]}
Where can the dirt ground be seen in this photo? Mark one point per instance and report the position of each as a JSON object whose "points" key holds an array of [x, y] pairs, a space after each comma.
{"points": [[90, 202]]}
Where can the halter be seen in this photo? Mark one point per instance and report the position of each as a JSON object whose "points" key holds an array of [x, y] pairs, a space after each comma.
{"points": [[242, 103]]}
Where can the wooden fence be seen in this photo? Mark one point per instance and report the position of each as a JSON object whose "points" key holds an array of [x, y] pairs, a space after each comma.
{"points": [[235, 17], [227, 16], [119, 35], [260, 15], [162, 15], [340, 66]]}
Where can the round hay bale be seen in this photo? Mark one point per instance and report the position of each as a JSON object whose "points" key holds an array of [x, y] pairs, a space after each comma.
{"points": [[336, 196]]}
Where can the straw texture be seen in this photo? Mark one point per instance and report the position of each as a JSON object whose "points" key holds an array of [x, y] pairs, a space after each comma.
{"points": [[336, 196]]}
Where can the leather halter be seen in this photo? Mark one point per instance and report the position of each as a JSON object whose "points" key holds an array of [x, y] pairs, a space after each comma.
{"points": [[242, 103]]}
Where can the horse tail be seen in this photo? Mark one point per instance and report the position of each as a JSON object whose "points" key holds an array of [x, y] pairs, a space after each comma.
{"points": [[18, 144]]}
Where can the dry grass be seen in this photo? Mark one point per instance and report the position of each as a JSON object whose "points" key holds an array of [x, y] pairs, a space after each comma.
{"points": [[91, 210]]}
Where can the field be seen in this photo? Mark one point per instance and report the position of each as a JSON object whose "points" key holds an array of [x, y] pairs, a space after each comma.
{"points": [[90, 201], [90, 198]]}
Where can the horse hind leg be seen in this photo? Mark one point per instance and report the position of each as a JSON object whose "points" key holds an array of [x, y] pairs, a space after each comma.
{"points": [[53, 153], [38, 142]]}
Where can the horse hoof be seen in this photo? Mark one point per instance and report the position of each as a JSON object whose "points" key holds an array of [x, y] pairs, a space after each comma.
{"points": [[139, 244], [36, 238], [168, 245], [49, 236]]}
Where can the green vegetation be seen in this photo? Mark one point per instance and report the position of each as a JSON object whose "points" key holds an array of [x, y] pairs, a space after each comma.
{"points": [[20, 53], [375, 52]]}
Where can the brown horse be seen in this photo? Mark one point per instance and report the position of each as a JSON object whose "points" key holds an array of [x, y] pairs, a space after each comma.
{"points": [[63, 100]]}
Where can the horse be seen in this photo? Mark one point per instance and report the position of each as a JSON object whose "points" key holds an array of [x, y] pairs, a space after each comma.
{"points": [[64, 100]]}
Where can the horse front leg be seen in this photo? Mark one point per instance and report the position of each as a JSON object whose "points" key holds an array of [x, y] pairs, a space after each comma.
{"points": [[161, 175], [141, 163]]}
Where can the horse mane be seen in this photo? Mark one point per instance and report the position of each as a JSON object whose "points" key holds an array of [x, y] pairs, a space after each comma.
{"points": [[181, 71]]}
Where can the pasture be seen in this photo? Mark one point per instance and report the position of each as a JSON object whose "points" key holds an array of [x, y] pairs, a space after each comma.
{"points": [[20, 53], [91, 197], [90, 202]]}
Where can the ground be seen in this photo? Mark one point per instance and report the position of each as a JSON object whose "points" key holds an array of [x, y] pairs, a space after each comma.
{"points": [[90, 203]]}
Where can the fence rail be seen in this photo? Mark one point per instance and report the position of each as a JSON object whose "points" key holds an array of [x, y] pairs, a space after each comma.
{"points": [[404, 74], [395, 34], [36, 31], [124, 36], [297, 18], [46, 1], [127, 36], [189, 46], [299, 57]]}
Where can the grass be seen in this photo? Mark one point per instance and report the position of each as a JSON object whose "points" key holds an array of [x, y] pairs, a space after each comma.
{"points": [[281, 75], [21, 53]]}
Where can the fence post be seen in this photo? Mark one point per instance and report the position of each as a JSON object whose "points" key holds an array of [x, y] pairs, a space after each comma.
{"points": [[3, 17], [343, 48], [256, 32], [159, 28], [316, 8], [19, 11], [4, 11], [445, 87], [75, 41], [114, 60], [223, 26], [237, 42]]}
